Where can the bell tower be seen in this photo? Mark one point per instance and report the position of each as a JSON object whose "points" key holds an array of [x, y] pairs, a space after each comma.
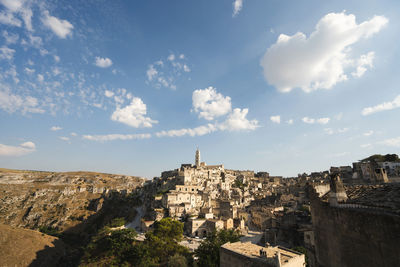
{"points": [[197, 158]]}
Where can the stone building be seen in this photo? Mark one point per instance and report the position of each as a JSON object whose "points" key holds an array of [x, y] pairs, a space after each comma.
{"points": [[240, 254]]}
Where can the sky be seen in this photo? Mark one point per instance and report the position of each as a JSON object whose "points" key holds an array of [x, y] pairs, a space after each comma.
{"points": [[133, 87]]}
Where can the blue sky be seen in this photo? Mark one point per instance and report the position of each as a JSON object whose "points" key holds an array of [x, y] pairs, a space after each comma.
{"points": [[133, 87]]}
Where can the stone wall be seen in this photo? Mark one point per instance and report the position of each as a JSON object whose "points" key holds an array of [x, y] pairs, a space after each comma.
{"points": [[351, 237]]}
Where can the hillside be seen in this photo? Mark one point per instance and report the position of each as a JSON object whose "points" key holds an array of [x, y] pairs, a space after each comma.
{"points": [[58, 200], [23, 247]]}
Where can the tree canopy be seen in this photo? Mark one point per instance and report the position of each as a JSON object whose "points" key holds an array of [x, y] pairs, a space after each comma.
{"points": [[208, 251]]}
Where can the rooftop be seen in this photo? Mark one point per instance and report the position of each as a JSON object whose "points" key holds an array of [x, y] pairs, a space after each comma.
{"points": [[253, 251]]}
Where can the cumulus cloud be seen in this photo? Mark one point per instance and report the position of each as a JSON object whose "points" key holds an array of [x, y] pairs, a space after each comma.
{"points": [[198, 131], [275, 119], [11, 38], [55, 128], [111, 137], [103, 62], [22, 149], [362, 64], [133, 114], [64, 138], [9, 19], [20, 7], [62, 28], [210, 104], [151, 73], [237, 121], [108, 93], [382, 107], [393, 142], [290, 122], [11, 103], [6, 53], [319, 61], [237, 7], [312, 121]]}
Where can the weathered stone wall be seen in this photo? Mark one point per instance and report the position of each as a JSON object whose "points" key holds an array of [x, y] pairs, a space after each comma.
{"points": [[354, 237]]}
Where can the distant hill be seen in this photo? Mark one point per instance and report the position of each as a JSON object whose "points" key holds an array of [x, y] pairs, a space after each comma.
{"points": [[382, 158]]}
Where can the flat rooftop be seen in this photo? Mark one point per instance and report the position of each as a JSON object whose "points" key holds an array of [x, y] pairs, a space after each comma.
{"points": [[253, 251]]}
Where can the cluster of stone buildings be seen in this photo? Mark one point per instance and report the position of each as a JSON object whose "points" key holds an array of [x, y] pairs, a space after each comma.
{"points": [[307, 212]]}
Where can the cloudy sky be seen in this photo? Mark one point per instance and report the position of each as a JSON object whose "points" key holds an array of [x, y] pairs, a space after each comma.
{"points": [[133, 87]]}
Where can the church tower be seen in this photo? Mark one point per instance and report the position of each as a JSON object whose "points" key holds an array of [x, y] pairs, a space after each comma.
{"points": [[197, 158]]}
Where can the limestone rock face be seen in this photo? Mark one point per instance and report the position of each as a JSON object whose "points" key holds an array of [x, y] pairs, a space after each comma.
{"points": [[32, 199]]}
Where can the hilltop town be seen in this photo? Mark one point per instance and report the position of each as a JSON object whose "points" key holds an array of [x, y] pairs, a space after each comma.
{"points": [[278, 221]]}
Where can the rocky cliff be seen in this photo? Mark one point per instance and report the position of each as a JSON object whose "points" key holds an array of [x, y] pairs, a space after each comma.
{"points": [[57, 200]]}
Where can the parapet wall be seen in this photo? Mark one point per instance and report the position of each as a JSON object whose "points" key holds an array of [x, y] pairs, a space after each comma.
{"points": [[351, 235]]}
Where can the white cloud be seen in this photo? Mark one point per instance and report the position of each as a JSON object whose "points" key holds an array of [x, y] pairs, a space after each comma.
{"points": [[393, 142], [103, 62], [12, 5], [369, 133], [22, 149], [365, 145], [151, 73], [171, 57], [198, 131], [12, 103], [16, 6], [9, 19], [108, 93], [165, 73], [318, 61], [11, 38], [62, 28], [55, 128], [382, 107], [331, 131], [29, 71], [237, 121], [111, 137], [64, 138], [133, 114], [362, 64], [56, 58], [6, 53], [40, 77], [210, 104], [290, 122], [312, 121], [237, 7], [73, 134], [275, 119]]}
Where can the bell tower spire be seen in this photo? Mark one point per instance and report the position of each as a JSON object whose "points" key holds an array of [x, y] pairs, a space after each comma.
{"points": [[197, 158]]}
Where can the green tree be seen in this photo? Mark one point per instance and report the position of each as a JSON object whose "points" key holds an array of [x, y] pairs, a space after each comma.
{"points": [[208, 251], [177, 261]]}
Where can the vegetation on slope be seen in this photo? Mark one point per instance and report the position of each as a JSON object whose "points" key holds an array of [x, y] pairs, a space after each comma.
{"points": [[382, 158], [120, 248]]}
